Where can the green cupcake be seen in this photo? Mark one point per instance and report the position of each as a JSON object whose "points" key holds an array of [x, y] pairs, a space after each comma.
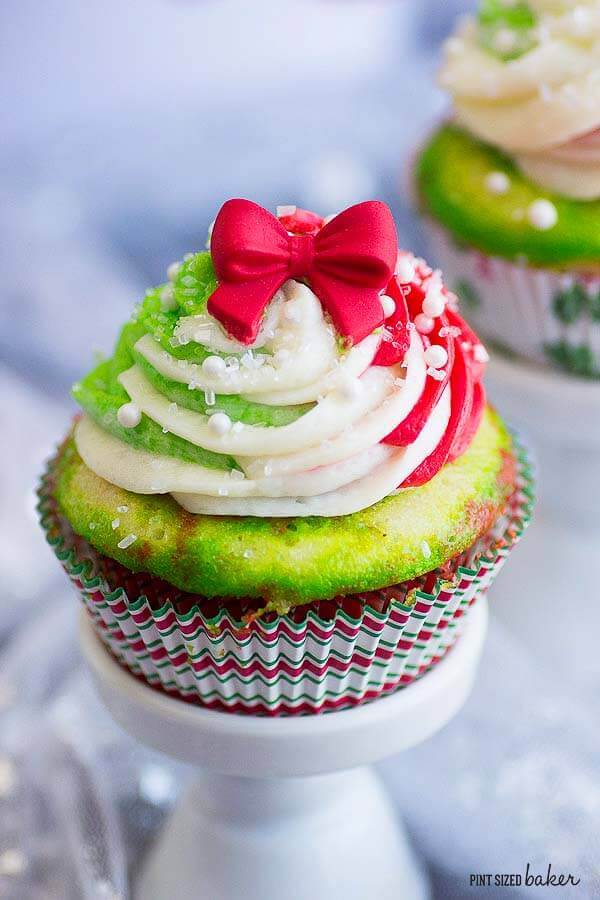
{"points": [[511, 187], [293, 419]]}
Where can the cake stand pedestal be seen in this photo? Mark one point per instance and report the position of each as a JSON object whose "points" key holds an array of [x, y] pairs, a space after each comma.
{"points": [[286, 807]]}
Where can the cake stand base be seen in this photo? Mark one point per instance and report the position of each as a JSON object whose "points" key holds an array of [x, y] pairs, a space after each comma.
{"points": [[286, 807]]}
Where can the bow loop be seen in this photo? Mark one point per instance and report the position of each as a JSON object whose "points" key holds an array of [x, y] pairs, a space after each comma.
{"points": [[348, 262]]}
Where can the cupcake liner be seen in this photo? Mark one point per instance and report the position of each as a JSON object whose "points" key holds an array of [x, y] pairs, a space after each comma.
{"points": [[303, 662], [545, 316]]}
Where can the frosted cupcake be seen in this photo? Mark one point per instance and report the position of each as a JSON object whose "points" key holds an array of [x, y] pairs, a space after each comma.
{"points": [[286, 489], [511, 186]]}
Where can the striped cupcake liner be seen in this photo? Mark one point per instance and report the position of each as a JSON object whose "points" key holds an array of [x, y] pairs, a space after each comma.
{"points": [[545, 316], [303, 662]]}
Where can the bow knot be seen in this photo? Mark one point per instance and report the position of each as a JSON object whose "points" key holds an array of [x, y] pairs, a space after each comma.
{"points": [[302, 251], [347, 264]]}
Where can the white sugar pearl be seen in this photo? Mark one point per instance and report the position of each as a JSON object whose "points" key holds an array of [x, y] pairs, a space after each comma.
{"points": [[220, 423], [542, 214], [173, 271], [167, 299], [405, 269], [214, 365], [497, 182], [129, 415], [434, 303], [480, 354], [389, 306], [424, 324], [436, 356]]}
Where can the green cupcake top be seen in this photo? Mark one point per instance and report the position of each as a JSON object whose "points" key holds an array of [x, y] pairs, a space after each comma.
{"points": [[455, 177]]}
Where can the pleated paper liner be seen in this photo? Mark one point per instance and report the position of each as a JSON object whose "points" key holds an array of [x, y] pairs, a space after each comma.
{"points": [[548, 317], [325, 656]]}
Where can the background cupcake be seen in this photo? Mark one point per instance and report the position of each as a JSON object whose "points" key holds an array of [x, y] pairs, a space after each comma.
{"points": [[286, 488], [511, 186]]}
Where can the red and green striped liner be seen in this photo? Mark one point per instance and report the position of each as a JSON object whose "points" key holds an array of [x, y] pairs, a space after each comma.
{"points": [[321, 657]]}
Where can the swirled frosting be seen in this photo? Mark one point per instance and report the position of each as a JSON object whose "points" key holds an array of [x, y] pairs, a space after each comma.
{"points": [[296, 424], [534, 89]]}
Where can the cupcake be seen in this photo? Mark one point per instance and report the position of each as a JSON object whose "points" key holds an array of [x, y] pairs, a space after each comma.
{"points": [[285, 489], [510, 186]]}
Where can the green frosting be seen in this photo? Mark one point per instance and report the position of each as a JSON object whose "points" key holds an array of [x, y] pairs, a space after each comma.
{"points": [[293, 561], [451, 173], [101, 395]]}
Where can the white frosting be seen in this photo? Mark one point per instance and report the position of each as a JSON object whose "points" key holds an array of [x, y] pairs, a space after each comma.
{"points": [[537, 105], [330, 461]]}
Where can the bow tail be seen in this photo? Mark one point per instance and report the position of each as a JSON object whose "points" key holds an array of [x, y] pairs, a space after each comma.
{"points": [[239, 306], [356, 310]]}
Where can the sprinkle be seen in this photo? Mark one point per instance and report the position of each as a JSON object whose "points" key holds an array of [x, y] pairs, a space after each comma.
{"points": [[173, 271], [236, 475], [424, 324], [405, 268], [127, 541], [122, 509], [450, 331], [91, 525], [129, 415], [167, 299], [388, 305], [210, 234], [220, 424], [426, 549], [173, 409], [209, 397], [436, 374], [267, 469], [247, 554], [115, 524], [223, 492], [434, 302], [497, 182], [436, 356], [480, 354], [232, 363], [542, 214], [214, 365], [285, 211], [237, 427]]}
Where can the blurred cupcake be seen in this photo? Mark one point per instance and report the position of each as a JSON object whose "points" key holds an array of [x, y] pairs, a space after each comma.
{"points": [[286, 489], [511, 186]]}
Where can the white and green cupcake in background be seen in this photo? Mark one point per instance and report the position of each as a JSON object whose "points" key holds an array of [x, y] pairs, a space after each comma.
{"points": [[510, 187]]}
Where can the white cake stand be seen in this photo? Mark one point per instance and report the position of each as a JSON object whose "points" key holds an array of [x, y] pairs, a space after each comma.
{"points": [[286, 807], [549, 592]]}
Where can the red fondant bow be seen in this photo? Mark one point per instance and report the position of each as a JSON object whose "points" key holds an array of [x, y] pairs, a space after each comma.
{"points": [[347, 264]]}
